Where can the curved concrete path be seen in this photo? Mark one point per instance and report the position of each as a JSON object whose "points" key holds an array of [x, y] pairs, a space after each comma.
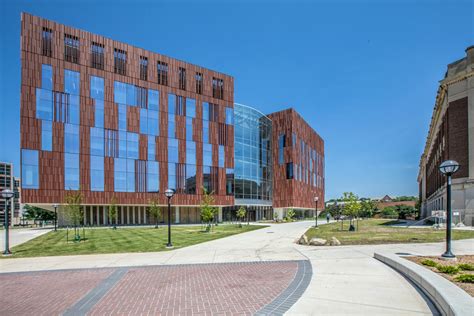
{"points": [[346, 279]]}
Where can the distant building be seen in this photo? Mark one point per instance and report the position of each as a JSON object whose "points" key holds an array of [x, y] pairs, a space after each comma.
{"points": [[451, 136], [8, 181], [387, 201]]}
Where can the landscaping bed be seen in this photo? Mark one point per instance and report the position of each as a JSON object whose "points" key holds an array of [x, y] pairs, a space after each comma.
{"points": [[379, 231], [452, 270], [122, 239]]}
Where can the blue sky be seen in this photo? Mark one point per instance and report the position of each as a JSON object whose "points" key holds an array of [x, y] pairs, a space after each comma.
{"points": [[364, 74]]}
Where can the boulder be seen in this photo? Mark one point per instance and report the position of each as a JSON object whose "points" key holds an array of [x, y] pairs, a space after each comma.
{"points": [[334, 242], [303, 240], [317, 242]]}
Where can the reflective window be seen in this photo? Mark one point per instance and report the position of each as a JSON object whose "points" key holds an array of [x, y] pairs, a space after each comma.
{"points": [[190, 107], [207, 154], [252, 155], [71, 138], [97, 141], [99, 113], [151, 147], [153, 176], [205, 131], [229, 184], [73, 110], [143, 121], [71, 171], [229, 116], [190, 153], [189, 128], [97, 173], [122, 144], [153, 122], [171, 103], [97, 87], [190, 181], [29, 169], [172, 175], [221, 156], [47, 135], [173, 150], [153, 99], [120, 175], [122, 112], [281, 145], [289, 170], [205, 111], [131, 95], [132, 145], [71, 82], [130, 175], [171, 126], [44, 104], [47, 77], [120, 92]]}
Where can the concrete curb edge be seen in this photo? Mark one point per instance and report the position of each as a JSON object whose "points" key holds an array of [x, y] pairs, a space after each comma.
{"points": [[447, 297]]}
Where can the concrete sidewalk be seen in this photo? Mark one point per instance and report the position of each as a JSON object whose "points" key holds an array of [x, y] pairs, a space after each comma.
{"points": [[22, 235]]}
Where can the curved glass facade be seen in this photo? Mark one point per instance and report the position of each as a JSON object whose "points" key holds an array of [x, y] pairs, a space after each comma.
{"points": [[252, 156]]}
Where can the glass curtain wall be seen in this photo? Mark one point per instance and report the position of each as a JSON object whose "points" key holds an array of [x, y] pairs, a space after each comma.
{"points": [[253, 163]]}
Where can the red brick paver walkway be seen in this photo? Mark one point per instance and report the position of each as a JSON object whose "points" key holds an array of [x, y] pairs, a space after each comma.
{"points": [[46, 293], [204, 289]]}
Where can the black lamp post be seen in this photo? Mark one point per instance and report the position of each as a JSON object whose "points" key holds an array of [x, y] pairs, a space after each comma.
{"points": [[7, 195], [169, 194], [55, 205], [316, 199], [447, 168]]}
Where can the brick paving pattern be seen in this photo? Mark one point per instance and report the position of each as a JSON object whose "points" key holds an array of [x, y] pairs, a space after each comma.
{"points": [[236, 288], [46, 293], [200, 289]]}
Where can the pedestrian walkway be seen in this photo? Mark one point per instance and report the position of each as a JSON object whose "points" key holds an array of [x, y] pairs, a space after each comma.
{"points": [[345, 279], [22, 235]]}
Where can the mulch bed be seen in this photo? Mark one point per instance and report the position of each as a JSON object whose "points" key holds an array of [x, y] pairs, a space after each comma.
{"points": [[468, 287]]}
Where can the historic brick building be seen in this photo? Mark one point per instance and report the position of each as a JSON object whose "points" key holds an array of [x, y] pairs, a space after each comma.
{"points": [[451, 136], [114, 121], [298, 164]]}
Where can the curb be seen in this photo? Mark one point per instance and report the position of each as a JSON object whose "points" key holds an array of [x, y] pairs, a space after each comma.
{"points": [[447, 297]]}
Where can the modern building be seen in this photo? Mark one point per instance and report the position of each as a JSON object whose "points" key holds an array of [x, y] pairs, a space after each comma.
{"points": [[121, 124], [451, 136], [8, 181], [253, 164], [298, 165]]}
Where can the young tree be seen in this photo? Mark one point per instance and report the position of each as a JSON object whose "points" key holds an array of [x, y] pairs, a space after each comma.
{"points": [[352, 207], [113, 213], [155, 211], [37, 214], [73, 210], [241, 212], [368, 208], [290, 215], [208, 211]]}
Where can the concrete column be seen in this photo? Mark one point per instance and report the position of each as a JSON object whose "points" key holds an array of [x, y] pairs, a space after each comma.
{"points": [[280, 212], [106, 218], [134, 209], [97, 218], [85, 214], [91, 215], [219, 215], [121, 214], [139, 215], [144, 215], [176, 215], [470, 124]]}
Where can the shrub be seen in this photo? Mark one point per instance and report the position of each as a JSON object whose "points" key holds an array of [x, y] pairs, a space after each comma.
{"points": [[448, 269], [429, 263], [290, 215], [466, 266], [465, 278]]}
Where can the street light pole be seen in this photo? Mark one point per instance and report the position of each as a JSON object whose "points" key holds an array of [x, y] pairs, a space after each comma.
{"points": [[316, 199], [169, 194], [55, 217], [7, 195], [448, 168]]}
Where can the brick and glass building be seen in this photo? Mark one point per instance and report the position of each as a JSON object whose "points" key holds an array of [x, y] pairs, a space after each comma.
{"points": [[10, 182], [119, 123], [451, 136], [298, 164]]}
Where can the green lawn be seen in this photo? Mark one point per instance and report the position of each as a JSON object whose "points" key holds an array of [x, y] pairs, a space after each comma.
{"points": [[107, 240], [376, 231]]}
